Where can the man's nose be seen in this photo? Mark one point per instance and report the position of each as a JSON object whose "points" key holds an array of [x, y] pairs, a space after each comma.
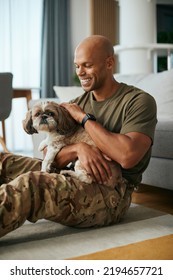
{"points": [[80, 71]]}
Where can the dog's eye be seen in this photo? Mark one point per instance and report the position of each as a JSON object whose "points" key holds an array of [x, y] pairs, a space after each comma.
{"points": [[51, 114], [37, 114]]}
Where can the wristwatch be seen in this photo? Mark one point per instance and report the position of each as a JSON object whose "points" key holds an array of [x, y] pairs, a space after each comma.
{"points": [[87, 117]]}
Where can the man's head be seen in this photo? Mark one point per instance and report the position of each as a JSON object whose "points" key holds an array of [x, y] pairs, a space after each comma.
{"points": [[94, 61]]}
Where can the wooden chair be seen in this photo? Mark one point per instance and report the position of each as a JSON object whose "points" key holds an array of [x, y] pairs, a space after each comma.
{"points": [[6, 94]]}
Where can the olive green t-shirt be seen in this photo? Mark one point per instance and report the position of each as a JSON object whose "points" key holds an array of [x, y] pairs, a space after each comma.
{"points": [[129, 110]]}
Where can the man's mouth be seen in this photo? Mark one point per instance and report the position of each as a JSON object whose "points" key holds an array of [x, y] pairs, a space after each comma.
{"points": [[85, 82]]}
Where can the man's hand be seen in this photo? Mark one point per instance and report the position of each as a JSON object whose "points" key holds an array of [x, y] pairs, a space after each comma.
{"points": [[75, 111], [94, 162]]}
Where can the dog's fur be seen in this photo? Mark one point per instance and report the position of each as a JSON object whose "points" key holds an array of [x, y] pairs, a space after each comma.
{"points": [[61, 130]]}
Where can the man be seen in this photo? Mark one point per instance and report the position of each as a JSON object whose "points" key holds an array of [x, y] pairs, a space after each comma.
{"points": [[121, 121]]}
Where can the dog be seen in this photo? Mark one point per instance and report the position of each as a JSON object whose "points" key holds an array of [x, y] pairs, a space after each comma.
{"points": [[61, 130]]}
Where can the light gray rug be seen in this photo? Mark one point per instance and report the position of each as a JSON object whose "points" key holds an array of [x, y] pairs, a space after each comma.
{"points": [[48, 240]]}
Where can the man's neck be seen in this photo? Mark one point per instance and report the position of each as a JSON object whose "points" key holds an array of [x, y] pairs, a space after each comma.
{"points": [[106, 92]]}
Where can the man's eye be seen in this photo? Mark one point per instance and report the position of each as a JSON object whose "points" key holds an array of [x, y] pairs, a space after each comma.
{"points": [[88, 65]]}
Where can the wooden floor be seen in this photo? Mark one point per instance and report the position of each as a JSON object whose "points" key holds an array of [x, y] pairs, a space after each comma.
{"points": [[153, 197]]}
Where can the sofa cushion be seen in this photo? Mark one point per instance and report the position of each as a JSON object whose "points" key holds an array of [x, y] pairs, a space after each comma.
{"points": [[163, 140], [159, 173], [65, 94], [159, 85]]}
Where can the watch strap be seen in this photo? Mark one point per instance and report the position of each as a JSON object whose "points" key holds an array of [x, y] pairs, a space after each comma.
{"points": [[87, 117]]}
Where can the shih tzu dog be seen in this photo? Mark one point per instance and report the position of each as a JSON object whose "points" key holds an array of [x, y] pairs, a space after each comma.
{"points": [[61, 130]]}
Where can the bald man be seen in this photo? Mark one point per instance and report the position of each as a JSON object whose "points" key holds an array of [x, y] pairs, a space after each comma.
{"points": [[121, 121]]}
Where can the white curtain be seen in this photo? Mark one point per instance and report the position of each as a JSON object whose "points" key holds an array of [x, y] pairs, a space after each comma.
{"points": [[20, 40], [20, 50]]}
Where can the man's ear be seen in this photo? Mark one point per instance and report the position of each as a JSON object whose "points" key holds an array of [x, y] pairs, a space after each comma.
{"points": [[110, 62], [28, 123]]}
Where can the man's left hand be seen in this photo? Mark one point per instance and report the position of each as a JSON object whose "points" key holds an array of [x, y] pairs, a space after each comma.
{"points": [[75, 111]]}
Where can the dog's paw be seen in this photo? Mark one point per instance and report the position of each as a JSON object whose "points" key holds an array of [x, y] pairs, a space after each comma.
{"points": [[41, 147], [46, 167], [83, 177], [45, 170], [66, 172], [86, 178]]}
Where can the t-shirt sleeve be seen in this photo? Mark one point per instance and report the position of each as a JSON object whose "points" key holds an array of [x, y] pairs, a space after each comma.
{"points": [[140, 115]]}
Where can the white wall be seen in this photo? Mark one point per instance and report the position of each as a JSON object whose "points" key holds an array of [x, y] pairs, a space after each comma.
{"points": [[80, 21]]}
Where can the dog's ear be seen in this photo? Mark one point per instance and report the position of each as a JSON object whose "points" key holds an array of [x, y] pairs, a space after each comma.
{"points": [[65, 121], [28, 123]]}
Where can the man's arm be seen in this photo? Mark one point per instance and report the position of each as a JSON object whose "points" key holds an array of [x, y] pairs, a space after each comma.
{"points": [[126, 149]]}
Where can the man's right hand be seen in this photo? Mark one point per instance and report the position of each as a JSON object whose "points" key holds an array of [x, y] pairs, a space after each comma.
{"points": [[94, 162]]}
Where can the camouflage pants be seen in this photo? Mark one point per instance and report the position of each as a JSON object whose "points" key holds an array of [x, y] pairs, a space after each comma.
{"points": [[28, 194]]}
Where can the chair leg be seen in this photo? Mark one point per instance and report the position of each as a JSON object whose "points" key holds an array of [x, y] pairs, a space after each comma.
{"points": [[3, 145], [3, 130], [3, 139]]}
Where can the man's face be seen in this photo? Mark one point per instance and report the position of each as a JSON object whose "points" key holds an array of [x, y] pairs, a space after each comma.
{"points": [[90, 68]]}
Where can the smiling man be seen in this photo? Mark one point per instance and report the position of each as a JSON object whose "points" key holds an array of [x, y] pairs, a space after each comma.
{"points": [[121, 121]]}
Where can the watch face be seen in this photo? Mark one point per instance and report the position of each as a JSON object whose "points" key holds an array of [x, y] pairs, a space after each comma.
{"points": [[91, 117], [88, 117]]}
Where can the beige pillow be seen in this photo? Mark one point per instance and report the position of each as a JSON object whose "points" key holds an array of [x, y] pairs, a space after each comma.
{"points": [[160, 85], [65, 94]]}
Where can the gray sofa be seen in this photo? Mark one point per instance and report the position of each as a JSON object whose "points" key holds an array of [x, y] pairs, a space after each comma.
{"points": [[160, 170]]}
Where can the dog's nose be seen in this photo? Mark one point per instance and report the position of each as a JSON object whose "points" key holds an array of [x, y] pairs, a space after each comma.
{"points": [[44, 119]]}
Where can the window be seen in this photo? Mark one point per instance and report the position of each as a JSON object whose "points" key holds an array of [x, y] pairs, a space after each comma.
{"points": [[20, 49], [164, 31]]}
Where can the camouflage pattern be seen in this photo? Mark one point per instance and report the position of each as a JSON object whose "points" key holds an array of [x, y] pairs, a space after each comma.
{"points": [[28, 194]]}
